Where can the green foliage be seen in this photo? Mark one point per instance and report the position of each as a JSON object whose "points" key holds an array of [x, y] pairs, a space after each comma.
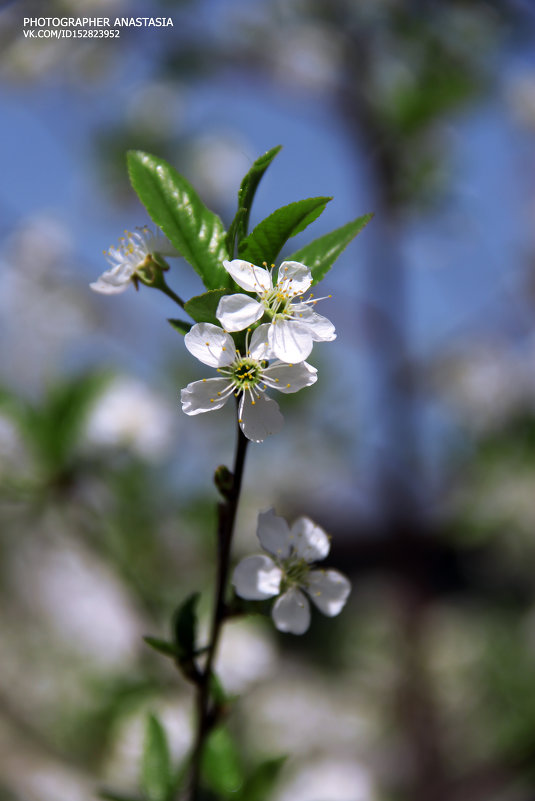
{"points": [[505, 683], [239, 225], [202, 308], [265, 242], [53, 428], [162, 646], [185, 626], [261, 781], [175, 207], [157, 780], [445, 79], [320, 255], [514, 440], [221, 765], [182, 326]]}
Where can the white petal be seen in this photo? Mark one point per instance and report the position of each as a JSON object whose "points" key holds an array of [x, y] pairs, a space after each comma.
{"points": [[309, 541], [321, 329], [106, 287], [294, 277], [289, 340], [291, 612], [257, 578], [329, 590], [249, 276], [260, 418], [206, 395], [236, 312], [289, 377], [210, 344], [274, 534], [116, 279], [259, 345]]}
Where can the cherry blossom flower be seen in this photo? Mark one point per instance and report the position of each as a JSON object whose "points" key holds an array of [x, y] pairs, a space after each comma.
{"points": [[295, 326], [135, 258], [288, 574], [246, 376]]}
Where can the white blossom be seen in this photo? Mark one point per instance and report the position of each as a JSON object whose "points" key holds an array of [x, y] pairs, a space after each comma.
{"points": [[294, 326], [287, 573], [128, 414], [247, 377], [137, 251]]}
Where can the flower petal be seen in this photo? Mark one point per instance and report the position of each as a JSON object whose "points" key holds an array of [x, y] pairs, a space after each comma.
{"points": [[329, 590], [289, 377], [236, 312], [290, 340], [321, 329], [274, 534], [206, 395], [256, 578], [108, 285], [259, 345], [309, 541], [259, 418], [117, 278], [210, 344], [291, 612], [249, 276], [294, 277]]}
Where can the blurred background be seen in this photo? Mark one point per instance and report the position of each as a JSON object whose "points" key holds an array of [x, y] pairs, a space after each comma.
{"points": [[415, 449]]}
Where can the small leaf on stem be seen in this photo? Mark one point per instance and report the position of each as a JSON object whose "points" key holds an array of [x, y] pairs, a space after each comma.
{"points": [[182, 326], [265, 242], [320, 255], [157, 779], [238, 227], [221, 766], [185, 627], [202, 308]]}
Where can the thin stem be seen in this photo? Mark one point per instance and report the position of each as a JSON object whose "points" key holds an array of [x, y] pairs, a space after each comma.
{"points": [[170, 293], [226, 518]]}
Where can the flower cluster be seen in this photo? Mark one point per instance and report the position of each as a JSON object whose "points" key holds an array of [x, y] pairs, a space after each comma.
{"points": [[282, 326], [287, 573], [275, 355]]}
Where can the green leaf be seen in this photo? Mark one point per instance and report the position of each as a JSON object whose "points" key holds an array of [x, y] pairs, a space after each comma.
{"points": [[203, 307], [173, 204], [260, 783], [182, 326], [249, 185], [185, 626], [320, 255], [221, 767], [157, 779], [236, 224], [264, 243], [162, 646]]}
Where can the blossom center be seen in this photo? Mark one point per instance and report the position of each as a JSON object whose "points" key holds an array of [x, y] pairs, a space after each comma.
{"points": [[277, 304], [246, 373], [296, 571]]}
